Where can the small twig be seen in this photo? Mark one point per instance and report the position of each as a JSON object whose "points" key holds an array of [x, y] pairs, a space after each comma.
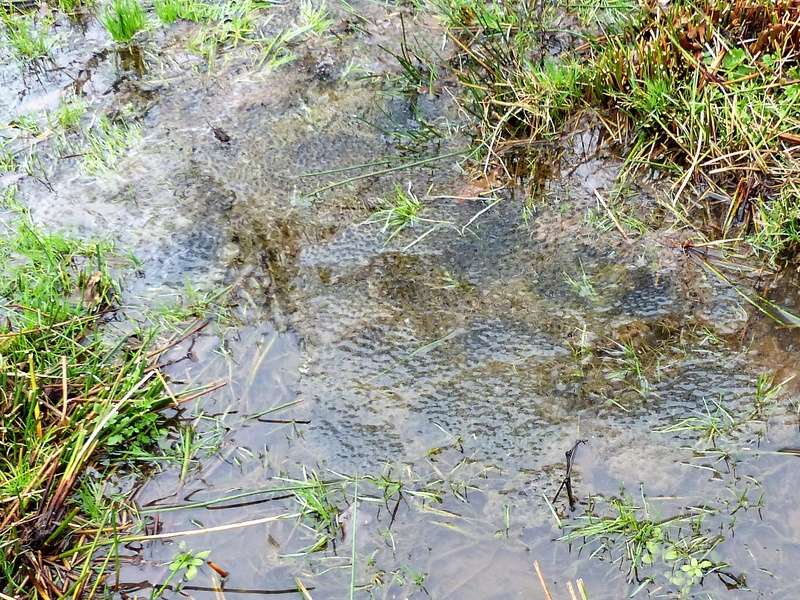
{"points": [[217, 569], [567, 482]]}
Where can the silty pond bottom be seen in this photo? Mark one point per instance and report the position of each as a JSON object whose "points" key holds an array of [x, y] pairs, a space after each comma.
{"points": [[396, 412]]}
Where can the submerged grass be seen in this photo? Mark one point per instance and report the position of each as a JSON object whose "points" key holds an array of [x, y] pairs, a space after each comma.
{"points": [[106, 143], [679, 551], [705, 91], [74, 395], [69, 113]]}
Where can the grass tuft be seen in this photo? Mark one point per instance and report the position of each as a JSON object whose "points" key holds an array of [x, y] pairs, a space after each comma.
{"points": [[124, 19], [230, 24], [704, 91], [69, 113], [107, 143], [314, 18], [75, 396], [398, 212], [8, 161], [169, 11], [27, 40]]}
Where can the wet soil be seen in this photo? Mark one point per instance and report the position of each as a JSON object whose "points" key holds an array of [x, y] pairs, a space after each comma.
{"points": [[463, 363]]}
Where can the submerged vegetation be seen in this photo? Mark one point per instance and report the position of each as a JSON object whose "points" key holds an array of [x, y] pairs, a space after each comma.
{"points": [[106, 144], [677, 548], [700, 95], [680, 550]]}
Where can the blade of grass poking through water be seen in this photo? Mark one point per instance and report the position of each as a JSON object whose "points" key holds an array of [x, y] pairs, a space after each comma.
{"points": [[541, 580], [235, 496], [376, 163], [353, 532], [178, 534], [302, 589]]}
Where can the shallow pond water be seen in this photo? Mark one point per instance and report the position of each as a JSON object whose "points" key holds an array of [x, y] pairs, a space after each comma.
{"points": [[461, 364]]}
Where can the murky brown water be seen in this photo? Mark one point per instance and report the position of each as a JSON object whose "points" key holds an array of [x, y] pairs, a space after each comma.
{"points": [[464, 365]]}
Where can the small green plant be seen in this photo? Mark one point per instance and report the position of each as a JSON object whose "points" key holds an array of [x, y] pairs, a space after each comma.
{"points": [[719, 423], [192, 303], [678, 544], [418, 72], [229, 24], [8, 161], [184, 566], [69, 112], [187, 444], [604, 13], [124, 19], [767, 390], [10, 201], [691, 572], [107, 142], [27, 39], [466, 13], [168, 11], [581, 286], [94, 500], [319, 511], [628, 364], [28, 123], [398, 212], [709, 425], [777, 225], [314, 18], [34, 166]]}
